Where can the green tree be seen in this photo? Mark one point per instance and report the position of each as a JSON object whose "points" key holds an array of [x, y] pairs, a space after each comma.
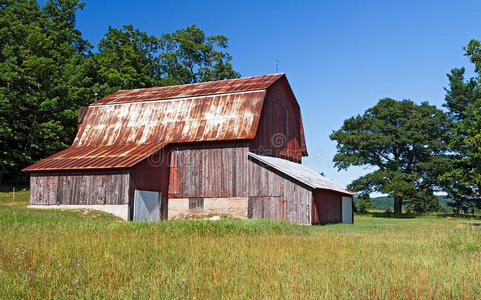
{"points": [[402, 141], [44, 77], [461, 172], [190, 56], [128, 59], [364, 202]]}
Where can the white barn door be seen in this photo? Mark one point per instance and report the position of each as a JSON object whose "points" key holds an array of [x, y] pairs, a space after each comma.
{"points": [[347, 210], [146, 206]]}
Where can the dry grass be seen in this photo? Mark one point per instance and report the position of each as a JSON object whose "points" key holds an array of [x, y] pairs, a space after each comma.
{"points": [[61, 254]]}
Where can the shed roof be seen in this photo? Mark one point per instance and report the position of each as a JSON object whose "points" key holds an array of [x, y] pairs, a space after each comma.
{"points": [[301, 173]]}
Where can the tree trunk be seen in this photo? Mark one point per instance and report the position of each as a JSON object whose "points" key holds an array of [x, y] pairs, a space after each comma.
{"points": [[398, 205]]}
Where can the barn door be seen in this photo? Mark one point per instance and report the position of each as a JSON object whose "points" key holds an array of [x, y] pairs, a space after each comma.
{"points": [[347, 210], [147, 206]]}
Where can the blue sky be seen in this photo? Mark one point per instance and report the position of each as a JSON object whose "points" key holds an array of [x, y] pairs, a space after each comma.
{"points": [[340, 57]]}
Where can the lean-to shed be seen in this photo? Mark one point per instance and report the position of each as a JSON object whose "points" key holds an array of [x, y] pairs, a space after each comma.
{"points": [[225, 147]]}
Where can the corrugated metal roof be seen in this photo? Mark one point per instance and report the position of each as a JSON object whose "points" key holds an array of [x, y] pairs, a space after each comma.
{"points": [[96, 157], [218, 117], [120, 135], [121, 129], [190, 90], [301, 173]]}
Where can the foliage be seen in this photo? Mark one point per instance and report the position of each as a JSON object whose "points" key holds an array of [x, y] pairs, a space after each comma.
{"points": [[68, 254], [48, 70], [403, 141], [461, 172], [382, 202], [128, 59], [424, 201], [45, 75], [363, 204], [190, 56]]}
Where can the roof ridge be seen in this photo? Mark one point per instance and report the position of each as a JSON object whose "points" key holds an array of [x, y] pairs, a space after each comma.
{"points": [[178, 98], [202, 82], [244, 84]]}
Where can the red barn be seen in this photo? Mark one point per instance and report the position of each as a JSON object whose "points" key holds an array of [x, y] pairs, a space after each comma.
{"points": [[224, 147]]}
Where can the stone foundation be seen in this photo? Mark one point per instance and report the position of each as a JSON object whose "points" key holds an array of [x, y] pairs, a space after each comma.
{"points": [[235, 207]]}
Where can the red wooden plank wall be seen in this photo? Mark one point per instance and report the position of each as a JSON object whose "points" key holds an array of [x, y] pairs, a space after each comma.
{"points": [[278, 132], [152, 174], [327, 207]]}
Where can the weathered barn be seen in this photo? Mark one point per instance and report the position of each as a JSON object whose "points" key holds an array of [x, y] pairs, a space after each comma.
{"points": [[225, 147]]}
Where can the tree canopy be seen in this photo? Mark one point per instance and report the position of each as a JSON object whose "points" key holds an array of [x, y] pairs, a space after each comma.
{"points": [[128, 59], [403, 142], [461, 176], [45, 75], [190, 56], [48, 70]]}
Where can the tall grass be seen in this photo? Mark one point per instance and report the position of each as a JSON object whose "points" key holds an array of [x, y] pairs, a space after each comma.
{"points": [[62, 254]]}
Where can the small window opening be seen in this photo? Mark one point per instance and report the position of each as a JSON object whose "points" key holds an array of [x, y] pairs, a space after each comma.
{"points": [[196, 203]]}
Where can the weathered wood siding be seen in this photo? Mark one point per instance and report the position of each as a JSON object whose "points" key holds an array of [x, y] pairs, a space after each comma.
{"points": [[208, 171], [326, 207], [82, 188], [273, 195], [279, 129]]}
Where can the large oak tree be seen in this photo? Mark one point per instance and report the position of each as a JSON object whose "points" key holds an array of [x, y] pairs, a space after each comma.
{"points": [[403, 142]]}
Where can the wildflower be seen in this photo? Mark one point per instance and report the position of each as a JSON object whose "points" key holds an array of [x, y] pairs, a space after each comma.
{"points": [[183, 280]]}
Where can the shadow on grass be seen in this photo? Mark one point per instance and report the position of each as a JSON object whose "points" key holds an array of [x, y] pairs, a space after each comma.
{"points": [[460, 216], [392, 215]]}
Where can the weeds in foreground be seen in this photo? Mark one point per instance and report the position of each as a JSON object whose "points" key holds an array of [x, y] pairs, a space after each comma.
{"points": [[65, 254]]}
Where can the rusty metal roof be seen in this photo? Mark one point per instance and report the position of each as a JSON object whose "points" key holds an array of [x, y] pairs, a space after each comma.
{"points": [[118, 135], [301, 173], [210, 118], [190, 90], [96, 157], [126, 127]]}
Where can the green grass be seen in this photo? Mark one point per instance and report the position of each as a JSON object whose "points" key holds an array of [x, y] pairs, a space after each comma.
{"points": [[65, 254]]}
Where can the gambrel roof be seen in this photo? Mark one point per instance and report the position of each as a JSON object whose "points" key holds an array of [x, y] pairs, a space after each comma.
{"points": [[128, 126]]}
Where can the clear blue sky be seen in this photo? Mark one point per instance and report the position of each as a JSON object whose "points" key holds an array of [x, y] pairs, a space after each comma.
{"points": [[339, 56]]}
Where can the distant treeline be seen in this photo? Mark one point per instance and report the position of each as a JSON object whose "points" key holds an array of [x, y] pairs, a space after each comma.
{"points": [[387, 203]]}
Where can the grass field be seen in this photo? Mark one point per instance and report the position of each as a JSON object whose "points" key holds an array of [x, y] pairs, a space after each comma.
{"points": [[65, 254]]}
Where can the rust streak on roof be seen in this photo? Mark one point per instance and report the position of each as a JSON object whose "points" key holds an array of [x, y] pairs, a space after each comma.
{"points": [[119, 136], [91, 157]]}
